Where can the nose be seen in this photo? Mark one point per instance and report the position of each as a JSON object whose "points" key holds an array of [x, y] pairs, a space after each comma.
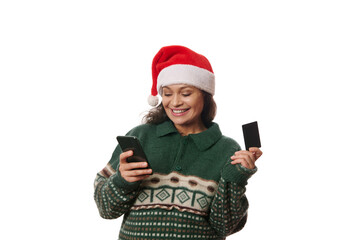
{"points": [[176, 100]]}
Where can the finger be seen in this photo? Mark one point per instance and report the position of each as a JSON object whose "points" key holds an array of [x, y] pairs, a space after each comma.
{"points": [[135, 165], [135, 179], [244, 153], [250, 159], [142, 172], [256, 151], [250, 162], [253, 149], [123, 156], [137, 173], [259, 153], [237, 161], [239, 153], [251, 155], [244, 160], [245, 164]]}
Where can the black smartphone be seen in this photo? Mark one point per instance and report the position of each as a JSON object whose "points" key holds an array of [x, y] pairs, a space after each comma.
{"points": [[251, 135], [127, 143]]}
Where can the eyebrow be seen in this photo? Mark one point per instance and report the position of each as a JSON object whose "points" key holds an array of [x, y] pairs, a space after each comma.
{"points": [[181, 88]]}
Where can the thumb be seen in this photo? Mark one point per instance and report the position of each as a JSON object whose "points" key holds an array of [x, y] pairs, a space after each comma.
{"points": [[256, 152]]}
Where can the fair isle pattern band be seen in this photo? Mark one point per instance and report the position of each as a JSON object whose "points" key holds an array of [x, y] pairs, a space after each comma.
{"points": [[174, 190], [186, 74], [106, 172], [166, 225]]}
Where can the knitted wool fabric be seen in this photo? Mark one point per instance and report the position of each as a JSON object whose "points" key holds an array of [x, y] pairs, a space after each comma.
{"points": [[193, 193]]}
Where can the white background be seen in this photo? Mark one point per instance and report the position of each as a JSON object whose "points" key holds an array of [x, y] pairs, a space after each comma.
{"points": [[75, 74]]}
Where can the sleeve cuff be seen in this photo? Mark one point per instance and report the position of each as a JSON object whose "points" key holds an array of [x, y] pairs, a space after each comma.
{"points": [[237, 173], [120, 182]]}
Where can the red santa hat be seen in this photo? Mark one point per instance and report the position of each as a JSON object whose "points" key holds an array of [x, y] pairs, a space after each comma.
{"points": [[180, 65]]}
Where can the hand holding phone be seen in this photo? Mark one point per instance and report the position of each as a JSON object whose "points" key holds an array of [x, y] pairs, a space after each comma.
{"points": [[127, 143], [133, 164]]}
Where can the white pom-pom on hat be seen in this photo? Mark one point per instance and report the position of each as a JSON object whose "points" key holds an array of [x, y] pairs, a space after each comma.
{"points": [[153, 100]]}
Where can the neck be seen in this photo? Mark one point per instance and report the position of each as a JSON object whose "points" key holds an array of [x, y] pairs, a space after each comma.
{"points": [[185, 130]]}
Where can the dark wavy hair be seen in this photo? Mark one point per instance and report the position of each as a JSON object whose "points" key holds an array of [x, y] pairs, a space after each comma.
{"points": [[158, 115]]}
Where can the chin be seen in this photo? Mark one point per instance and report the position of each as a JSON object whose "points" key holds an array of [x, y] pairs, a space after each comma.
{"points": [[178, 121]]}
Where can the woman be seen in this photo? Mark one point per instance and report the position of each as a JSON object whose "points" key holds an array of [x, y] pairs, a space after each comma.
{"points": [[196, 187]]}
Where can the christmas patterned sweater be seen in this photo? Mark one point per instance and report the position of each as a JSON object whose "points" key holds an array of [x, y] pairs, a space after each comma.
{"points": [[193, 193]]}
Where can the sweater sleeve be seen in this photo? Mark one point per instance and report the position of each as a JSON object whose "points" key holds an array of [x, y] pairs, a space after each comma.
{"points": [[113, 195], [228, 211]]}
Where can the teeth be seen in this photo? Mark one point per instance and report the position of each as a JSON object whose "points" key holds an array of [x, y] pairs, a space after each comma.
{"points": [[178, 111]]}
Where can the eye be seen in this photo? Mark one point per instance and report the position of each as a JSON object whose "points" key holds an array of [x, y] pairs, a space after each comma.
{"points": [[186, 94], [167, 94]]}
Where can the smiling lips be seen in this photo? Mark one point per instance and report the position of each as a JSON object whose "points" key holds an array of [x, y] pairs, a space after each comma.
{"points": [[179, 112]]}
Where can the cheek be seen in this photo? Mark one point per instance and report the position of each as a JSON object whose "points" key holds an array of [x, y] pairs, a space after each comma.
{"points": [[165, 103], [200, 108], [198, 105]]}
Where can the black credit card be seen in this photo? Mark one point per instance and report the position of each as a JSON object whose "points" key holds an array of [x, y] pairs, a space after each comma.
{"points": [[251, 135]]}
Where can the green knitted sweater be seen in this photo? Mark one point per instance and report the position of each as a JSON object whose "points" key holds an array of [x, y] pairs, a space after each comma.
{"points": [[193, 193]]}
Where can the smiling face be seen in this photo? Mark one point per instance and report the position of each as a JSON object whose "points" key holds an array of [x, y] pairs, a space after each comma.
{"points": [[183, 104]]}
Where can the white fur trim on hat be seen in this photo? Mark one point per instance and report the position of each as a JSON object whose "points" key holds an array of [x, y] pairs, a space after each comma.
{"points": [[186, 74]]}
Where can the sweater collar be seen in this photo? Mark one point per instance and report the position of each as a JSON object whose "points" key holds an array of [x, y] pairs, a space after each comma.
{"points": [[203, 140], [165, 128]]}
